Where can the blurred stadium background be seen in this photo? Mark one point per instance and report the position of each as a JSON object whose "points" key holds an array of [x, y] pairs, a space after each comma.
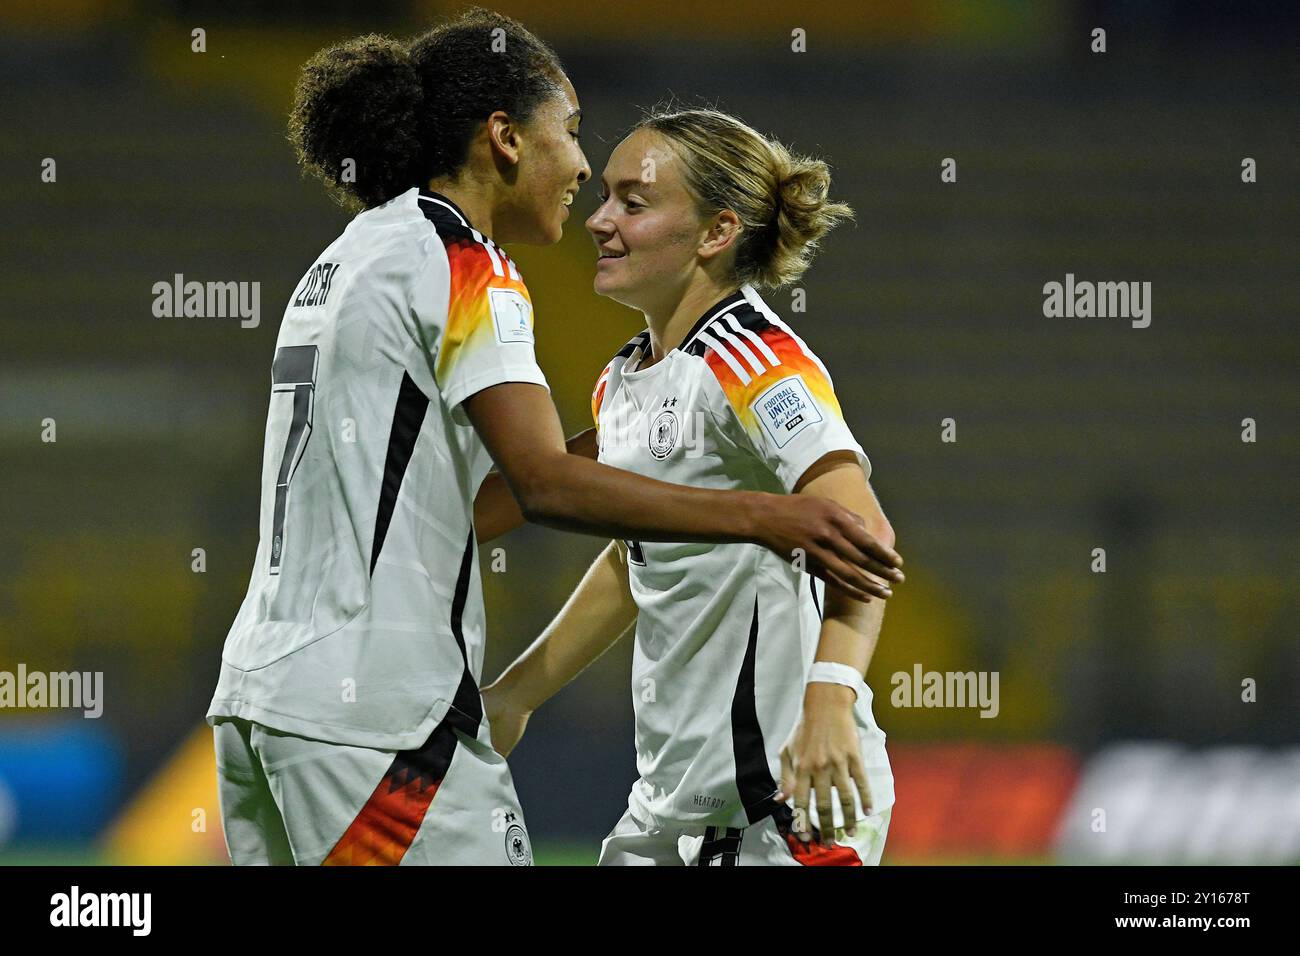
{"points": [[1121, 691]]}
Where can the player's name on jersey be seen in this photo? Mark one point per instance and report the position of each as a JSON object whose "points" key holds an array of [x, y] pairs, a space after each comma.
{"points": [[1102, 300], [315, 286], [208, 300]]}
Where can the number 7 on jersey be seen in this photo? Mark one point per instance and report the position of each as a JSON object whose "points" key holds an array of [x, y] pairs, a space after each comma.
{"points": [[294, 370]]}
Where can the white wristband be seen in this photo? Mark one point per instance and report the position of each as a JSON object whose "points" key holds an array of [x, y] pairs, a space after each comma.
{"points": [[830, 672]]}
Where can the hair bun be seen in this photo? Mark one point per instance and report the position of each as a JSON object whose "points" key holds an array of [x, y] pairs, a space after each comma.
{"points": [[779, 197], [801, 216]]}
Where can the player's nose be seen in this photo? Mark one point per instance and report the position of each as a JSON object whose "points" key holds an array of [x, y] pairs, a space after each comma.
{"points": [[599, 226]]}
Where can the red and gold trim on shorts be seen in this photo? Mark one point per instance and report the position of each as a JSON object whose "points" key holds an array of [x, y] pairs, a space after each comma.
{"points": [[383, 831]]}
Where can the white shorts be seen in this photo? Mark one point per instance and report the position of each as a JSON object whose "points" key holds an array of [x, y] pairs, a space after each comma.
{"points": [[769, 842], [289, 800]]}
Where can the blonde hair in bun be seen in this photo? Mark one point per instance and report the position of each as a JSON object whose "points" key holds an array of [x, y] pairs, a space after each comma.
{"points": [[780, 197]]}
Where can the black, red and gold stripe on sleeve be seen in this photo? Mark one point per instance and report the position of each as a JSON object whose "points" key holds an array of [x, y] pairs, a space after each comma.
{"points": [[476, 266], [748, 353]]}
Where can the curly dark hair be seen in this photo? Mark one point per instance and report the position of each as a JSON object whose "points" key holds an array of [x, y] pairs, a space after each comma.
{"points": [[403, 113]]}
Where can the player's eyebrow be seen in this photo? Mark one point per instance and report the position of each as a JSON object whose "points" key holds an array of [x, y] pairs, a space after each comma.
{"points": [[574, 114], [628, 183]]}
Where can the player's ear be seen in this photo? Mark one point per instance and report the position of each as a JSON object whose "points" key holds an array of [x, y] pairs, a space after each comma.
{"points": [[723, 234], [503, 137]]}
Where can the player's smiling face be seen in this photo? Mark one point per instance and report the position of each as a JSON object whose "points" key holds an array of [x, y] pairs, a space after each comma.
{"points": [[648, 226], [552, 168]]}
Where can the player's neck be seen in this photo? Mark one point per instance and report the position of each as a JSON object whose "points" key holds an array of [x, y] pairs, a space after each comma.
{"points": [[473, 199], [669, 328]]}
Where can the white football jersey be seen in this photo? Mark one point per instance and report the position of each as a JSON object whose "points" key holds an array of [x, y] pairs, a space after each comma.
{"points": [[363, 623], [725, 633]]}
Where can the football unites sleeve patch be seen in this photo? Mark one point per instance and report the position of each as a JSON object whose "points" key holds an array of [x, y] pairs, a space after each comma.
{"points": [[488, 337], [785, 409], [780, 393]]}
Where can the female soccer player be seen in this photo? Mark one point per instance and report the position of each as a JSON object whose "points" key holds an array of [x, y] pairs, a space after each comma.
{"points": [[348, 696], [737, 652]]}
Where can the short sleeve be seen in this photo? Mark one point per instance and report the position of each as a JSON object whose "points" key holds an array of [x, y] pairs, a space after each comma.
{"points": [[781, 394], [488, 337], [598, 395]]}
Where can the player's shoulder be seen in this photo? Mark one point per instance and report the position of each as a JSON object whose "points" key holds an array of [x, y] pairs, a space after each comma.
{"points": [[473, 258], [746, 345]]}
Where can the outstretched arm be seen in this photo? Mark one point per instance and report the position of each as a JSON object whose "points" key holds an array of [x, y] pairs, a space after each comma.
{"points": [[495, 509], [518, 424]]}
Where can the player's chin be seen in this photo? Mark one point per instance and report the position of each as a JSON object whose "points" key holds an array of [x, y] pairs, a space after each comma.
{"points": [[556, 221], [550, 232], [545, 230], [557, 231], [610, 288]]}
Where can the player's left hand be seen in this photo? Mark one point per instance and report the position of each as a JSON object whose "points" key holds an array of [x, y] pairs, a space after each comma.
{"points": [[823, 751]]}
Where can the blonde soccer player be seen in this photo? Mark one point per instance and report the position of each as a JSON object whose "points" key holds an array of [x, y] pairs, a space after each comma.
{"points": [[755, 739]]}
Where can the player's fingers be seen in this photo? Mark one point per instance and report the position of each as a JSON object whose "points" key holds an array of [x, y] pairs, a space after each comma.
{"points": [[838, 582], [853, 581], [787, 776], [860, 561], [825, 816], [845, 545], [845, 786], [802, 818], [883, 571], [859, 773], [889, 560], [855, 576]]}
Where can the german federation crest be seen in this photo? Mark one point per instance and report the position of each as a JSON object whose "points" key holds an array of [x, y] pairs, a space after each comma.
{"points": [[518, 849], [663, 434]]}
